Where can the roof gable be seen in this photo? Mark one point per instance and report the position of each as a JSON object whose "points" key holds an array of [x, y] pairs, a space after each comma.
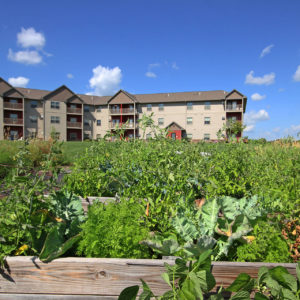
{"points": [[62, 94], [122, 97], [234, 94], [7, 90], [174, 126]]}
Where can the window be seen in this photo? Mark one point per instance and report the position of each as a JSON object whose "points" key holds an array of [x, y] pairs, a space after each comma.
{"points": [[206, 136], [98, 122], [86, 108], [148, 136], [189, 120], [223, 118], [33, 119], [98, 136], [55, 119], [72, 105], [55, 104], [149, 107], [189, 105], [160, 121], [73, 120], [161, 106], [232, 119], [189, 136], [207, 105], [207, 120], [13, 101], [99, 108], [33, 104], [13, 116], [87, 122]]}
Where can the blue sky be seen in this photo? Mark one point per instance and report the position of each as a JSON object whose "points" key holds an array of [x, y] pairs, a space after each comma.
{"points": [[161, 46]]}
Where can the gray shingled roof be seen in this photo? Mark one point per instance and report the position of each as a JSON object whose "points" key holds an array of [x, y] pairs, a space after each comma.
{"points": [[141, 98]]}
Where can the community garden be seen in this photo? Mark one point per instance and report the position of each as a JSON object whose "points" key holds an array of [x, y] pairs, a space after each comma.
{"points": [[202, 202]]}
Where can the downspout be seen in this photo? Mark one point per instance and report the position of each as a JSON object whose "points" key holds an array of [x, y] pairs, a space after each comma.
{"points": [[44, 120], [134, 121]]}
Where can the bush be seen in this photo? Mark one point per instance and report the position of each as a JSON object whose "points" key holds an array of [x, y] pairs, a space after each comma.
{"points": [[268, 246], [114, 230]]}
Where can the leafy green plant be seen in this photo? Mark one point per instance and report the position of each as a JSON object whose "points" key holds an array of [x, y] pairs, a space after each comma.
{"points": [[221, 222], [267, 245], [114, 230]]}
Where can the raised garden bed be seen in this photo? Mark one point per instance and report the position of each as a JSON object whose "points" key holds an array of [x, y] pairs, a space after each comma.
{"points": [[26, 277]]}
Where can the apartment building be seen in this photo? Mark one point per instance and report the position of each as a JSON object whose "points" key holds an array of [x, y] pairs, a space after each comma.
{"points": [[27, 113]]}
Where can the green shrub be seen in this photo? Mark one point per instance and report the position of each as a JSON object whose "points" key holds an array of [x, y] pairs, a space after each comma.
{"points": [[114, 230], [268, 246]]}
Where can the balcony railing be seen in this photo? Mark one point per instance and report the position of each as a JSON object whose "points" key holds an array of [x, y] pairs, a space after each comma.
{"points": [[74, 124], [123, 125], [237, 107], [13, 105], [71, 110], [123, 111], [13, 121]]}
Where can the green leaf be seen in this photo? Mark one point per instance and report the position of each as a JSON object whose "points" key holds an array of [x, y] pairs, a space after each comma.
{"points": [[129, 293], [262, 273], [207, 280], [298, 271], [281, 275], [241, 295], [55, 246], [166, 278], [239, 283], [187, 292], [209, 215], [288, 294], [203, 243], [185, 228], [147, 293], [260, 296]]}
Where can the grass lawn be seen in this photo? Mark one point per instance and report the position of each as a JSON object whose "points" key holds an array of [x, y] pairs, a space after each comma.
{"points": [[71, 150]]}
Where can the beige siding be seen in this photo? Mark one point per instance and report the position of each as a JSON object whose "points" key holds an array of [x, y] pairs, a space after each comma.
{"points": [[62, 114], [178, 112], [104, 117], [37, 112]]}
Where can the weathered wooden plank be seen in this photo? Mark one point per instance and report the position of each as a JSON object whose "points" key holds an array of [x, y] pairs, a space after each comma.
{"points": [[89, 201], [102, 276], [53, 297]]}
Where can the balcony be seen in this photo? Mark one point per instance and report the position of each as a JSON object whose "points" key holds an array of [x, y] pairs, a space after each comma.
{"points": [[124, 111], [13, 121], [71, 110], [122, 125], [74, 125], [237, 107], [9, 105]]}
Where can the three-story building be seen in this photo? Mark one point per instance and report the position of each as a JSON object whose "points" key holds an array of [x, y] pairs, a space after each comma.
{"points": [[29, 113]]}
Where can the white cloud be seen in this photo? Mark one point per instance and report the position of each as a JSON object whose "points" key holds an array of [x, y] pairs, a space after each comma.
{"points": [[266, 50], [281, 90], [31, 38], [257, 97], [105, 81], [70, 76], [296, 76], [249, 128], [276, 129], [18, 81], [150, 74], [267, 79], [154, 65], [174, 66], [26, 57], [252, 117]]}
